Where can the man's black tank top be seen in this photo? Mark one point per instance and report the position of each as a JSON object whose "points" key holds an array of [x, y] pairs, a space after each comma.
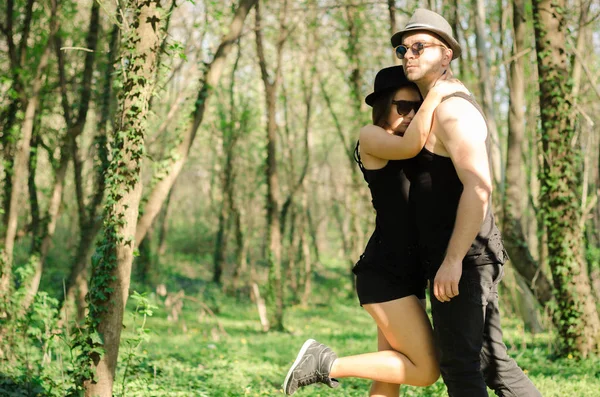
{"points": [[435, 191], [394, 238]]}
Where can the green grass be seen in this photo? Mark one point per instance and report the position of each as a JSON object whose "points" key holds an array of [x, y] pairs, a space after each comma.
{"points": [[193, 357], [248, 362]]}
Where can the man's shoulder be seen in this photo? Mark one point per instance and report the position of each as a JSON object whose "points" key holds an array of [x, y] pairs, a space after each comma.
{"points": [[458, 104], [458, 110]]}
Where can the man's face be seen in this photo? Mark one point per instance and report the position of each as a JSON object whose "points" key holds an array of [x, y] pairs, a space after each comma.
{"points": [[429, 64]]}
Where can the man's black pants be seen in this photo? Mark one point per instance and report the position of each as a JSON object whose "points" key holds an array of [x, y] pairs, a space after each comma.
{"points": [[468, 333]]}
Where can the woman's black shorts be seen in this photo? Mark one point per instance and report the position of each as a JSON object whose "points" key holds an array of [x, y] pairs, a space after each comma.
{"points": [[376, 283]]}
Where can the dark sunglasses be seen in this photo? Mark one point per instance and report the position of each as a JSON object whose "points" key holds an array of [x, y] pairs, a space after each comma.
{"points": [[416, 48], [404, 107]]}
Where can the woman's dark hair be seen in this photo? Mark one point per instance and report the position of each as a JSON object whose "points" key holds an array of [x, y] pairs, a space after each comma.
{"points": [[383, 105]]}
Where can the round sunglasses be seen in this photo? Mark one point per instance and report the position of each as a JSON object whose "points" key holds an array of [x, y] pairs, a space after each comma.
{"points": [[416, 48], [404, 107]]}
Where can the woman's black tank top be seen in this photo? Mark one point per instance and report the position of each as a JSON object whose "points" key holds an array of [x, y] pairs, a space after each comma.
{"points": [[393, 240], [435, 191]]}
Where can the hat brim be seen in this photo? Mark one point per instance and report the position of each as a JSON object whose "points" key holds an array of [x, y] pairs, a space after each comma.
{"points": [[452, 43], [372, 97]]}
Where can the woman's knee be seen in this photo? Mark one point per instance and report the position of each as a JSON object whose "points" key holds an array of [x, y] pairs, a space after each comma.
{"points": [[384, 389], [429, 374]]}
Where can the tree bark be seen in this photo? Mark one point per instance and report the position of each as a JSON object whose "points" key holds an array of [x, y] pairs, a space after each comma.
{"points": [[21, 161], [67, 150], [451, 12], [308, 262], [164, 225], [213, 73], [576, 317], [581, 44], [308, 79], [240, 255], [90, 225], [514, 235], [230, 138], [109, 286], [33, 191], [273, 200], [393, 27], [17, 55], [485, 84]]}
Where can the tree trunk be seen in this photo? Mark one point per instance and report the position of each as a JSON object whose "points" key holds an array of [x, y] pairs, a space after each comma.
{"points": [[219, 254], [273, 200], [451, 12], [312, 230], [33, 191], [261, 307], [307, 273], [17, 53], [393, 27], [164, 226], [576, 316], [350, 242], [240, 255], [581, 44], [514, 236], [21, 162], [230, 138], [77, 286], [485, 84], [211, 79], [143, 262], [68, 148], [109, 286]]}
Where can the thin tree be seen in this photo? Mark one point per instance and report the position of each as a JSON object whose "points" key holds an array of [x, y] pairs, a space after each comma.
{"points": [[486, 88], [68, 150], [111, 267], [271, 83], [17, 55], [89, 223], [21, 163], [393, 27], [514, 235], [208, 82], [231, 134]]}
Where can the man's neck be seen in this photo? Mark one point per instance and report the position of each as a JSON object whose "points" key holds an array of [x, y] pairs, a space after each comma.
{"points": [[428, 82], [425, 86]]}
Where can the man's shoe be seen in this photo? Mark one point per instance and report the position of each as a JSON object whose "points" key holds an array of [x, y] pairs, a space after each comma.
{"points": [[312, 365]]}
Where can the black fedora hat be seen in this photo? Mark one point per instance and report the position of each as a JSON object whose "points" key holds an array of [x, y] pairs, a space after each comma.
{"points": [[386, 80], [430, 21]]}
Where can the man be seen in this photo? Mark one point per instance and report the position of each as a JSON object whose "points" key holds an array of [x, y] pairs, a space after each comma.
{"points": [[460, 245]]}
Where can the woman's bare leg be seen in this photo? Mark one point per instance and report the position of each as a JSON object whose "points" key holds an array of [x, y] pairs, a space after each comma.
{"points": [[382, 389], [406, 328]]}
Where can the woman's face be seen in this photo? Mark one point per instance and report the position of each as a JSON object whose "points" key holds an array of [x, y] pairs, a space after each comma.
{"points": [[398, 123]]}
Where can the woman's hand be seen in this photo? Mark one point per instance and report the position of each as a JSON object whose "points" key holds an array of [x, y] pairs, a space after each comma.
{"points": [[447, 86]]}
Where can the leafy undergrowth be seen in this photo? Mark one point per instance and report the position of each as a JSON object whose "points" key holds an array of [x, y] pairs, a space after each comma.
{"points": [[216, 347], [193, 357], [248, 362]]}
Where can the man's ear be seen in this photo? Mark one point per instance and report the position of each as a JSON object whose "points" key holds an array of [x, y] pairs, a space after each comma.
{"points": [[447, 57]]}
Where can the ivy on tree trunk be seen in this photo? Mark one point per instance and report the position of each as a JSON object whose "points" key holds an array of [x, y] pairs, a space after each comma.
{"points": [[576, 315]]}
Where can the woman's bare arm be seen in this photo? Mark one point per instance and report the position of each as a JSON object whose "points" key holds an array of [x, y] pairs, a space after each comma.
{"points": [[378, 142]]}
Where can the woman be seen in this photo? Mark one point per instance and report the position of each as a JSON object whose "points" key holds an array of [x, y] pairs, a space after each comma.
{"points": [[389, 283]]}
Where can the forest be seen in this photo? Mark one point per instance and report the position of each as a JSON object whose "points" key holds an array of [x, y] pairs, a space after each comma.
{"points": [[181, 208]]}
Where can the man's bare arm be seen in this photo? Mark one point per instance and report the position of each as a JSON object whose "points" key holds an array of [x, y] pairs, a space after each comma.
{"points": [[462, 131]]}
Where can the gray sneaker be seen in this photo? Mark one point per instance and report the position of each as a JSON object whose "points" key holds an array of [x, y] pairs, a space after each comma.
{"points": [[312, 365]]}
